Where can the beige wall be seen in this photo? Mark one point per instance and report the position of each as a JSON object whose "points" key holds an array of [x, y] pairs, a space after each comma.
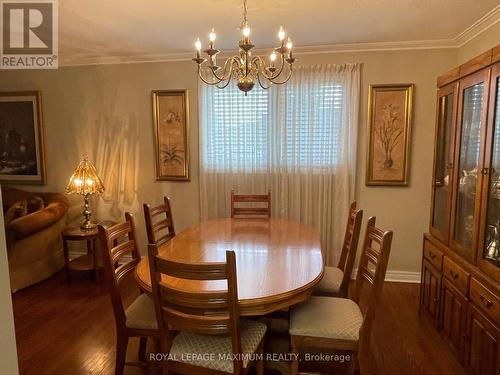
{"points": [[484, 41], [8, 358], [94, 109]]}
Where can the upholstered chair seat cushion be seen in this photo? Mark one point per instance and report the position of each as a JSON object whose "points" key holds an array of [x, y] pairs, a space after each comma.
{"points": [[332, 278], [141, 313], [327, 317], [215, 351]]}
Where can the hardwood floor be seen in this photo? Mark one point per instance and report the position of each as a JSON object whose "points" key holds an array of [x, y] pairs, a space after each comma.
{"points": [[69, 329]]}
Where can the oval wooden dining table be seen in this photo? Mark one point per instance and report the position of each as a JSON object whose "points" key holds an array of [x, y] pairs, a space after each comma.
{"points": [[278, 261]]}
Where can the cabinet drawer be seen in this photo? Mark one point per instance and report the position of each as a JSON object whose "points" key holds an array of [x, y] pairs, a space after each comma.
{"points": [[485, 300], [456, 274], [433, 255]]}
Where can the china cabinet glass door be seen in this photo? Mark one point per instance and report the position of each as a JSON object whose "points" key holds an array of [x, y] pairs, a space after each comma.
{"points": [[490, 252], [469, 160], [446, 116]]}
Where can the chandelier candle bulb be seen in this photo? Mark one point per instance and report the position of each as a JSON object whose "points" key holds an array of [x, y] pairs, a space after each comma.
{"points": [[281, 34], [197, 45], [212, 38], [244, 67], [246, 31], [273, 58]]}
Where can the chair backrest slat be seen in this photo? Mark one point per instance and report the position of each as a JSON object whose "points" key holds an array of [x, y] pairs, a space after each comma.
{"points": [[194, 300], [192, 271], [164, 224], [122, 249], [349, 247], [249, 211], [119, 241], [371, 274], [211, 312], [204, 325], [163, 230]]}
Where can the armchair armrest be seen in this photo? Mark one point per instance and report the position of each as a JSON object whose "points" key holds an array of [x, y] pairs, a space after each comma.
{"points": [[37, 221]]}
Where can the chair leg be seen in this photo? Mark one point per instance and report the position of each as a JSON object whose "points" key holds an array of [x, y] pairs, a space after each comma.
{"points": [[294, 368], [354, 365], [143, 341], [259, 366], [121, 352]]}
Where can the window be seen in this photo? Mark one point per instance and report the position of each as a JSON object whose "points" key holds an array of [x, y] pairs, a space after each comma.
{"points": [[291, 127], [297, 140]]}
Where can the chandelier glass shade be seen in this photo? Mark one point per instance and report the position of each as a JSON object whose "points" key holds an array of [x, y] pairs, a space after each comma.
{"points": [[244, 67]]}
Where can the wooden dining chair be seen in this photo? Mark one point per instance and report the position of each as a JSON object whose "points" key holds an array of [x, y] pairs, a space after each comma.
{"points": [[249, 208], [335, 281], [159, 229], [207, 324], [331, 323], [138, 319]]}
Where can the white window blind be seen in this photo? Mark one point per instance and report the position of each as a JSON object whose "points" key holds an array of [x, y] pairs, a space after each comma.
{"points": [[237, 130], [295, 127]]}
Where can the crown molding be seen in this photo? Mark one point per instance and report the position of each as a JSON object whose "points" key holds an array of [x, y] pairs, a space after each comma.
{"points": [[128, 59], [480, 26], [300, 50], [484, 23]]}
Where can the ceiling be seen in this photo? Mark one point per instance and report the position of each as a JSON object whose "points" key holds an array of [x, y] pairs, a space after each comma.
{"points": [[97, 31]]}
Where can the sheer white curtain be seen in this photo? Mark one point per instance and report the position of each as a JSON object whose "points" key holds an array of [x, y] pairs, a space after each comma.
{"points": [[297, 140]]}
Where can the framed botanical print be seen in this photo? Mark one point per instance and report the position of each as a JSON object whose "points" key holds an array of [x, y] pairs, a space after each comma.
{"points": [[389, 134], [171, 126], [21, 138]]}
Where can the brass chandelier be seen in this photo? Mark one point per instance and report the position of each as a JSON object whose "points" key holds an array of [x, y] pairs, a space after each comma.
{"points": [[244, 67]]}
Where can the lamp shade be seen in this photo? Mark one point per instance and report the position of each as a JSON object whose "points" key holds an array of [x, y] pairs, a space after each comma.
{"points": [[85, 180]]}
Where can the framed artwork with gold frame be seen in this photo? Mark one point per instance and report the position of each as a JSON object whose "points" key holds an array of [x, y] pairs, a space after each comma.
{"points": [[22, 158], [389, 134], [171, 127]]}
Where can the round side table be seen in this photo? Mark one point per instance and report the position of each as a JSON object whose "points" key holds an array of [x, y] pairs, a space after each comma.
{"points": [[86, 262]]}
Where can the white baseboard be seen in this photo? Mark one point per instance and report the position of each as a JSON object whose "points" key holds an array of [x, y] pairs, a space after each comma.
{"points": [[403, 277], [397, 276]]}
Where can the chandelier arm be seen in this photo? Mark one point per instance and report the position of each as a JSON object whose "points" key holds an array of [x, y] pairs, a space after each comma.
{"points": [[256, 61], [272, 81], [280, 69], [207, 81], [262, 66], [225, 74], [261, 85], [225, 84], [230, 75], [285, 80]]}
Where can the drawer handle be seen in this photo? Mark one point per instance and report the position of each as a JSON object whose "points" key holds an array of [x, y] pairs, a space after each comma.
{"points": [[454, 275], [486, 302]]}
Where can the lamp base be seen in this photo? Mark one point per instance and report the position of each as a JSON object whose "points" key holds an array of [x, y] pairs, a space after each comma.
{"points": [[88, 225]]}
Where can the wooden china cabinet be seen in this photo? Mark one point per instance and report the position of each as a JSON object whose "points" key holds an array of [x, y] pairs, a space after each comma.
{"points": [[460, 289]]}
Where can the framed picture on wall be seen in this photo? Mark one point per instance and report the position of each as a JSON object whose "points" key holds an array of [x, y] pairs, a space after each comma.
{"points": [[21, 138], [170, 120], [389, 134]]}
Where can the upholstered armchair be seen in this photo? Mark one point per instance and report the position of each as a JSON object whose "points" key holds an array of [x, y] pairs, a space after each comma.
{"points": [[33, 225]]}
